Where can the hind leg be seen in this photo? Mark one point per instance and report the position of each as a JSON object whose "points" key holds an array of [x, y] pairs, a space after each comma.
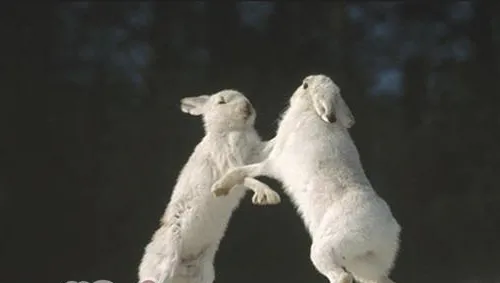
{"points": [[370, 268], [324, 259], [203, 272], [383, 279], [207, 272], [386, 280]]}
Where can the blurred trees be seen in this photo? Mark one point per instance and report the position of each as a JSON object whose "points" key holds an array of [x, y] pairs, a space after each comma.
{"points": [[100, 135]]}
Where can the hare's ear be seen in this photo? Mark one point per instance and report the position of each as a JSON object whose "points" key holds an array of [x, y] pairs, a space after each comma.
{"points": [[194, 105], [323, 104], [343, 113], [331, 107]]}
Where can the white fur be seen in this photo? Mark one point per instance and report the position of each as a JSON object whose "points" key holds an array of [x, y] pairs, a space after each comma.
{"points": [[184, 247], [352, 228]]}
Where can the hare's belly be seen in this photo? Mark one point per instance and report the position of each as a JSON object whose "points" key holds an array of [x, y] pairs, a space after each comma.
{"points": [[209, 221]]}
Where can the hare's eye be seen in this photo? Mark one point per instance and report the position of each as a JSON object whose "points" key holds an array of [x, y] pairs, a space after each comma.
{"points": [[305, 85], [221, 100]]}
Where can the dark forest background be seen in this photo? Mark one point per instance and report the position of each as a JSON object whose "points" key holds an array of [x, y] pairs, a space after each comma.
{"points": [[92, 138]]}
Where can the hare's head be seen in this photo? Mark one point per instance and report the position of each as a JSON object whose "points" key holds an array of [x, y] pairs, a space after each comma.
{"points": [[321, 94], [225, 110]]}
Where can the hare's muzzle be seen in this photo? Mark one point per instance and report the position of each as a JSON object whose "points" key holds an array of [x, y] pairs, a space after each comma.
{"points": [[248, 109]]}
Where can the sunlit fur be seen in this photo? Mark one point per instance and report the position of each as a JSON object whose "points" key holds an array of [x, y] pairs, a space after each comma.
{"points": [[318, 163], [184, 246]]}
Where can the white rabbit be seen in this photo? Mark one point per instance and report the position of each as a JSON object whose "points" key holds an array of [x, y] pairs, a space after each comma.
{"points": [[184, 247], [354, 233]]}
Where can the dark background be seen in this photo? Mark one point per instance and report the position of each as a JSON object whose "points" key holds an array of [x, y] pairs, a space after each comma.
{"points": [[92, 138]]}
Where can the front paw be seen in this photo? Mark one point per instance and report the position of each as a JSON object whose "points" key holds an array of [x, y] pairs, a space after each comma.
{"points": [[219, 189], [346, 278], [266, 198]]}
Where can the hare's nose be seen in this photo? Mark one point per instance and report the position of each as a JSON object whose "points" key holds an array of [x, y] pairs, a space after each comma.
{"points": [[248, 107]]}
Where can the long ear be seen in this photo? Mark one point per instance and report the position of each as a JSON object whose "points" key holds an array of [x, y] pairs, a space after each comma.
{"points": [[343, 113], [323, 104], [331, 108], [194, 105]]}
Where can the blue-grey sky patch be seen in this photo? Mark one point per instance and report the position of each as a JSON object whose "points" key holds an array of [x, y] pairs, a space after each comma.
{"points": [[389, 81], [387, 43], [461, 48], [460, 10], [354, 12], [255, 13]]}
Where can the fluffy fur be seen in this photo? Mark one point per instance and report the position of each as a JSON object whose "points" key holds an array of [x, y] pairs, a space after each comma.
{"points": [[184, 247], [354, 233]]}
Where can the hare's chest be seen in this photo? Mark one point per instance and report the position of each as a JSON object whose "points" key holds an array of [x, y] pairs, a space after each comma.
{"points": [[235, 151], [238, 151]]}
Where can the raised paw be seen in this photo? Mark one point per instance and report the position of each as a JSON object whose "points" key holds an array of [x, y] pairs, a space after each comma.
{"points": [[345, 278], [218, 189], [268, 197], [224, 185]]}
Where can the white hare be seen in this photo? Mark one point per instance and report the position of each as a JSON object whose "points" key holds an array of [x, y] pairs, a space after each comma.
{"points": [[354, 233], [184, 246]]}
